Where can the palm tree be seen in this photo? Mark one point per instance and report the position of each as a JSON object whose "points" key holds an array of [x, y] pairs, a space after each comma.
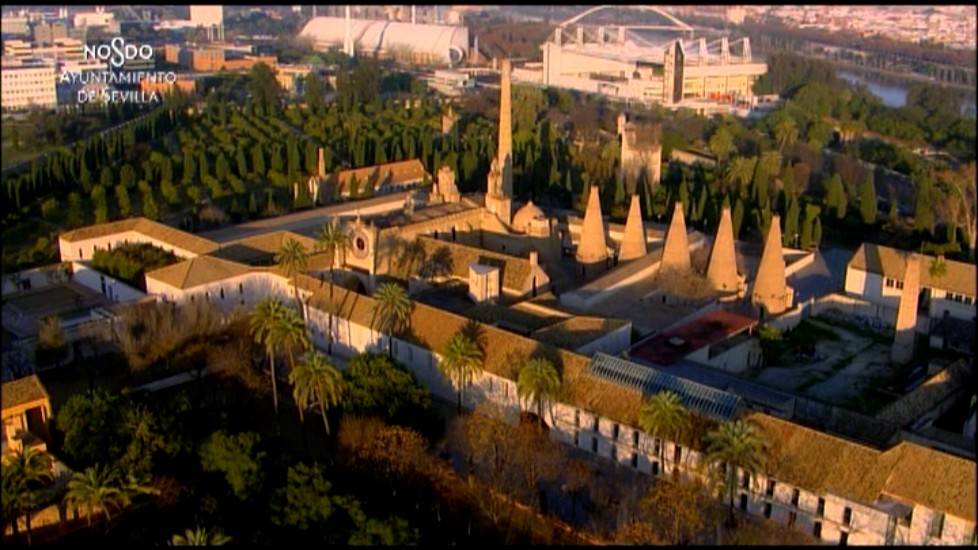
{"points": [[26, 469], [538, 381], [200, 537], [316, 380], [332, 239], [664, 413], [14, 488], [741, 170], [294, 259], [785, 131], [392, 311], [263, 321], [460, 361], [735, 445], [96, 489], [291, 335]]}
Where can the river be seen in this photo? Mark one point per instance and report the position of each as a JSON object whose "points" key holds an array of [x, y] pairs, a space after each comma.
{"points": [[895, 95]]}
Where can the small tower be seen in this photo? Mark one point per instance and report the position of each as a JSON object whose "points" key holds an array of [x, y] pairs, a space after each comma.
{"points": [[771, 291], [675, 252], [906, 320], [721, 270], [592, 248], [633, 244]]}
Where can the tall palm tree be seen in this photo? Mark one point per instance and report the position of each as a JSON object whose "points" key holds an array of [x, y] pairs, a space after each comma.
{"points": [[664, 414], [741, 170], [96, 489], [26, 469], [200, 537], [785, 132], [294, 259], [263, 322], [316, 380], [392, 310], [334, 240], [460, 361], [291, 335], [735, 445], [538, 382]]}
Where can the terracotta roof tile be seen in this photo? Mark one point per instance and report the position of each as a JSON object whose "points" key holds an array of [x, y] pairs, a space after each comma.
{"points": [[22, 391]]}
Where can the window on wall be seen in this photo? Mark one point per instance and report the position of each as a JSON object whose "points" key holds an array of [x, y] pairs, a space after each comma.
{"points": [[767, 510], [847, 516], [635, 460], [843, 539], [594, 444], [241, 289], [595, 428], [937, 525], [795, 496], [577, 418], [577, 438], [792, 518], [490, 384], [655, 468], [743, 501], [770, 487], [635, 438], [745, 481], [817, 530], [614, 432], [678, 454], [222, 292], [821, 507], [657, 446]]}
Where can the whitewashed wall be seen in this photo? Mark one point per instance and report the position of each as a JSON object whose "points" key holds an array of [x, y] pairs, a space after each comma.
{"points": [[85, 249], [115, 290]]}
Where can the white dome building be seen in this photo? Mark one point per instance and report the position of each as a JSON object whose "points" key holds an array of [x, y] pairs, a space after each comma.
{"points": [[418, 43]]}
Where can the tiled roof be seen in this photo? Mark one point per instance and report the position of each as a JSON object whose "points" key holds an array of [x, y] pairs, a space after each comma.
{"points": [[197, 271], [22, 391], [892, 263], [706, 401], [392, 173], [155, 230], [514, 270], [260, 246], [577, 331], [824, 463], [707, 330]]}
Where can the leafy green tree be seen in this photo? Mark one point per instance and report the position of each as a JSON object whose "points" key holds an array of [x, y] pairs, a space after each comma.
{"points": [[378, 385], [200, 536], [93, 427], [237, 457], [15, 496], [391, 311], [461, 361], [316, 381], [735, 446], [306, 500], [664, 413], [538, 383], [264, 89], [393, 531], [867, 200]]}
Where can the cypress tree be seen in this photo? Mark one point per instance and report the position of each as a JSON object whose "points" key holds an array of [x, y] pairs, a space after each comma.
{"points": [[791, 222], [122, 198], [867, 200], [258, 160], [817, 232], [923, 206], [737, 216]]}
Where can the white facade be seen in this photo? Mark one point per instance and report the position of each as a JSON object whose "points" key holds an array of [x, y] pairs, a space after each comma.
{"points": [[419, 42], [97, 18], [206, 16], [27, 83], [885, 291], [85, 249]]}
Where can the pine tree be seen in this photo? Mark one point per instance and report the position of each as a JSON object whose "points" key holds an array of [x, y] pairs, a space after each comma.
{"points": [[867, 200]]}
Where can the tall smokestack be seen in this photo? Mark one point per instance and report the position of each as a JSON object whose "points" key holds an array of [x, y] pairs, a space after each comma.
{"points": [[414, 18], [348, 39]]}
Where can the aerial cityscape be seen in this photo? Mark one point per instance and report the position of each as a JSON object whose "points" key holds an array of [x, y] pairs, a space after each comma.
{"points": [[489, 275]]}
